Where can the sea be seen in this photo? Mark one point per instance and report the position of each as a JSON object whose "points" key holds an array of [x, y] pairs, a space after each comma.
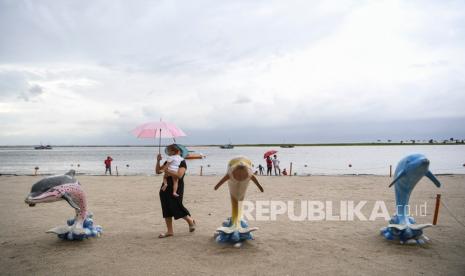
{"points": [[305, 160]]}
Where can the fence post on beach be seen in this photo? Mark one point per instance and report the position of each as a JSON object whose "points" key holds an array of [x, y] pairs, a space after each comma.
{"points": [[117, 171], [390, 170], [436, 209], [290, 169], [201, 170]]}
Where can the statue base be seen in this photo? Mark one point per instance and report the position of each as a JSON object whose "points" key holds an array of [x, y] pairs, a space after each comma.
{"points": [[71, 233], [234, 235], [410, 233]]}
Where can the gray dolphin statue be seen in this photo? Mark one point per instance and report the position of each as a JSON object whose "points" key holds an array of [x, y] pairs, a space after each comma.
{"points": [[408, 173], [65, 187]]}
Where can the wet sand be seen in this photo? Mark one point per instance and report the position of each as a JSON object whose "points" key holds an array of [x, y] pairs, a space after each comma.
{"points": [[129, 211]]}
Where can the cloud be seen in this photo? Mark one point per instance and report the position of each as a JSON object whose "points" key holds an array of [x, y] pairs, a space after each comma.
{"points": [[18, 85], [242, 100], [32, 92], [109, 66]]}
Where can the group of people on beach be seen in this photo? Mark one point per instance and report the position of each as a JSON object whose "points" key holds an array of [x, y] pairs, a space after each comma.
{"points": [[270, 164], [172, 188]]}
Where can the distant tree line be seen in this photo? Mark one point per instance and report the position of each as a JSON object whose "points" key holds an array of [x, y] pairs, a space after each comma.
{"points": [[430, 141]]}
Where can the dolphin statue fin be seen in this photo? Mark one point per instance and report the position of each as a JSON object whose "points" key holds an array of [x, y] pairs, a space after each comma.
{"points": [[247, 230], [71, 202], [226, 230], [230, 230], [402, 173], [433, 178], [420, 226], [71, 173], [254, 179], [224, 179], [399, 227], [59, 230]]}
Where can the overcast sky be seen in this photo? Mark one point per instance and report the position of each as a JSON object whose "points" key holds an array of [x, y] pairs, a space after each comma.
{"points": [[88, 72]]}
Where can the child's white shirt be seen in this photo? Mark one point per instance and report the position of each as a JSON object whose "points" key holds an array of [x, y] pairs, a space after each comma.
{"points": [[175, 162]]}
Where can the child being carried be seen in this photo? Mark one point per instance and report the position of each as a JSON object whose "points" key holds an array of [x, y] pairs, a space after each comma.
{"points": [[173, 161]]}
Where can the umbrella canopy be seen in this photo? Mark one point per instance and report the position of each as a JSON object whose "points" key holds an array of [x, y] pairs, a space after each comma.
{"points": [[269, 153], [158, 129]]}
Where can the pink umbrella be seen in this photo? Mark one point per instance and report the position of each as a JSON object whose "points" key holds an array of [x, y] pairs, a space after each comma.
{"points": [[269, 153], [158, 129]]}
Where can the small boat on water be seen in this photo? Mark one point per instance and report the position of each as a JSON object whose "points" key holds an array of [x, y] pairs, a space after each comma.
{"points": [[194, 155], [42, 147], [227, 146], [287, 146]]}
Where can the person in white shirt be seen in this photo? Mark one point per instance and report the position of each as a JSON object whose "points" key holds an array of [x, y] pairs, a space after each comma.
{"points": [[277, 170], [173, 161]]}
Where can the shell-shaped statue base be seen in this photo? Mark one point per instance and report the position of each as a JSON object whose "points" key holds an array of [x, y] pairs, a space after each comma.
{"points": [[411, 233], [71, 233], [235, 235]]}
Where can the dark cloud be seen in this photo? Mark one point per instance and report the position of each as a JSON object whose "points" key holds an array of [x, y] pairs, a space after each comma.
{"points": [[242, 100], [32, 92], [16, 85]]}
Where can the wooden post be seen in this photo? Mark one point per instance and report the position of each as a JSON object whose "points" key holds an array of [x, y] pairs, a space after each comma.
{"points": [[390, 170], [436, 210], [116, 171], [290, 170], [201, 170]]}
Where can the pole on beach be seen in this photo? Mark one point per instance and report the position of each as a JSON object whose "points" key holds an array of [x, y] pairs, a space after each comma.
{"points": [[117, 171], [436, 209], [390, 170], [201, 170], [290, 169]]}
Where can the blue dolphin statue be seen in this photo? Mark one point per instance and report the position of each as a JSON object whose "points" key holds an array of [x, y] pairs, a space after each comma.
{"points": [[408, 173]]}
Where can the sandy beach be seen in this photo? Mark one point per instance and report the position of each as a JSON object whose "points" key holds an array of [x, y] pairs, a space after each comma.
{"points": [[129, 211]]}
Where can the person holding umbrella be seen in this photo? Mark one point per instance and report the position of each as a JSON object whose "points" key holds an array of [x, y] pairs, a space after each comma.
{"points": [[172, 206], [269, 162], [269, 166]]}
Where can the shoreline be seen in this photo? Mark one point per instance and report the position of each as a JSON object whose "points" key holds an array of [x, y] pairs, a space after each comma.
{"points": [[244, 145]]}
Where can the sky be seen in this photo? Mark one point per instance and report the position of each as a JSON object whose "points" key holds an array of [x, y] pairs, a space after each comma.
{"points": [[88, 72]]}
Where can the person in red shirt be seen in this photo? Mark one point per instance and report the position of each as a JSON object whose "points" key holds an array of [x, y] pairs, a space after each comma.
{"points": [[108, 165], [269, 165]]}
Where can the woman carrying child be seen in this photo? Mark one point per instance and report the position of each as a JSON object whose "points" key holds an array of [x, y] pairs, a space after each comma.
{"points": [[171, 200]]}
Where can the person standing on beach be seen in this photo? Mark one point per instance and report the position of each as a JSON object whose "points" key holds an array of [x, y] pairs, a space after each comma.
{"points": [[277, 170], [108, 164], [260, 169], [269, 165], [172, 205]]}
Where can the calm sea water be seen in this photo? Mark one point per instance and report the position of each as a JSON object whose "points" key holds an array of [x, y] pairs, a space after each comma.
{"points": [[322, 160]]}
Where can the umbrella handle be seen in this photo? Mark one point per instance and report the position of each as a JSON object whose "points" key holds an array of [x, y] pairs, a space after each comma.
{"points": [[159, 142]]}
